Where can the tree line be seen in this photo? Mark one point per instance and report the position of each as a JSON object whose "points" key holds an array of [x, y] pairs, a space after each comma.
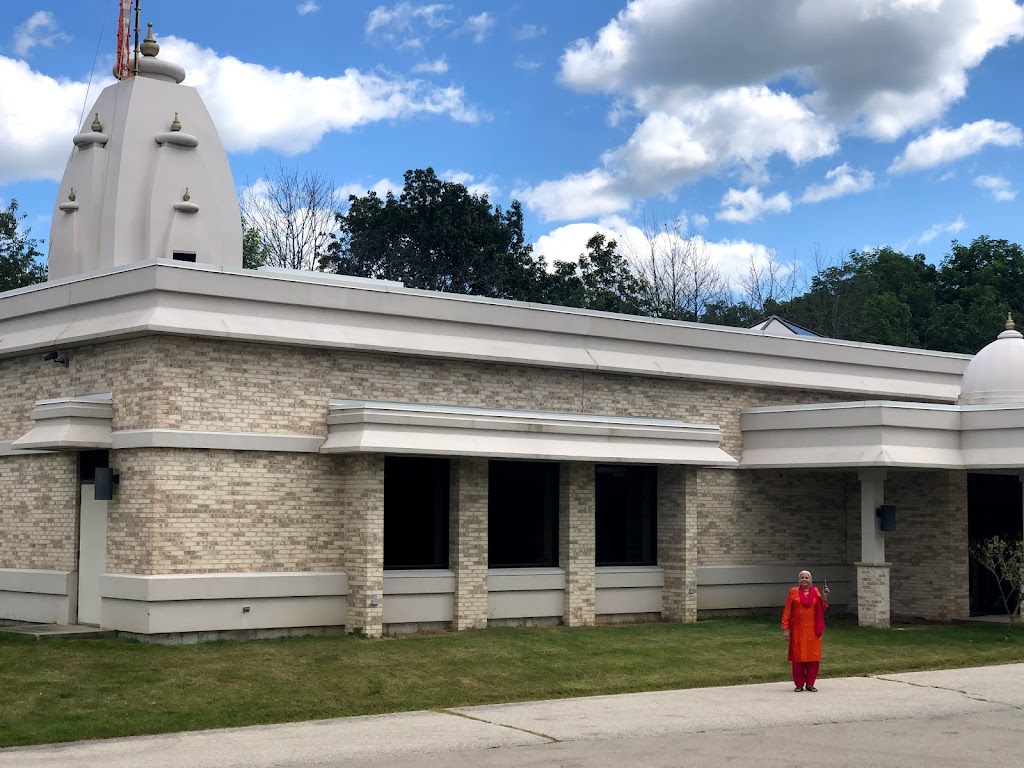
{"points": [[439, 235]]}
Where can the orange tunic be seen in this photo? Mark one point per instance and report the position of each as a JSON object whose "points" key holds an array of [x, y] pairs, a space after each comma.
{"points": [[804, 645]]}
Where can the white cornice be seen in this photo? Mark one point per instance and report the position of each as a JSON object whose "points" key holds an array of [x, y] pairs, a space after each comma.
{"points": [[199, 300]]}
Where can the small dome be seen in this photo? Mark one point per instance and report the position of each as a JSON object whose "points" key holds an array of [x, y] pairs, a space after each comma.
{"points": [[996, 374]]}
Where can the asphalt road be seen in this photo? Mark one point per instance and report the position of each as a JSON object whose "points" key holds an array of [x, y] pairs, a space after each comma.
{"points": [[956, 718]]}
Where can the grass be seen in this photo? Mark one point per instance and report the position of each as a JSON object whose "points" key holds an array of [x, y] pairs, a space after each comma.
{"points": [[64, 690]]}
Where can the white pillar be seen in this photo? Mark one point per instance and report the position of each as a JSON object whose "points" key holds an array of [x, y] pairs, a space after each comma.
{"points": [[873, 593]]}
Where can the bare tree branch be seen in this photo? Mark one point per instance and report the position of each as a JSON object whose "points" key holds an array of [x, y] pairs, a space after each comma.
{"points": [[294, 215]]}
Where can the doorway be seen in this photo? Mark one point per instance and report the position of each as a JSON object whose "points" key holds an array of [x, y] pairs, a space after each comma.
{"points": [[92, 538], [995, 507]]}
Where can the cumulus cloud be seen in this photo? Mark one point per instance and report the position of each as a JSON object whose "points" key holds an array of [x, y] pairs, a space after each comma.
{"points": [[479, 26], [435, 67], [840, 181], [469, 181], [305, 108], [576, 196], [938, 229], [39, 115], [943, 146], [381, 187], [398, 24], [716, 96], [743, 206], [731, 257], [996, 186], [40, 29], [308, 7]]}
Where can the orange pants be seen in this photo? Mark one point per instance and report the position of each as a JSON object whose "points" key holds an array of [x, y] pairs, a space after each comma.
{"points": [[805, 673]]}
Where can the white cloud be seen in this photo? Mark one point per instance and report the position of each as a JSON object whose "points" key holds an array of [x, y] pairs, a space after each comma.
{"points": [[381, 187], [529, 32], [305, 108], [996, 186], [40, 29], [716, 96], [566, 243], [938, 229], [577, 196], [527, 64], [841, 181], [310, 6], [479, 26], [38, 115], [743, 206], [468, 180], [435, 67], [397, 25], [943, 146]]}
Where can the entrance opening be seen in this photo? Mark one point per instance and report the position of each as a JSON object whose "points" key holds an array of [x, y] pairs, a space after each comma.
{"points": [[92, 537], [994, 508]]}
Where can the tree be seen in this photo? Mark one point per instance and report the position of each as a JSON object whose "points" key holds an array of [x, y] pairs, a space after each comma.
{"points": [[292, 215], [1004, 560], [767, 283], [678, 272], [439, 236], [884, 319], [254, 254], [601, 280], [20, 259]]}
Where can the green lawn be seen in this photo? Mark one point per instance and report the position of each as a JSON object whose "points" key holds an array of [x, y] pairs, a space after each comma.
{"points": [[63, 690]]}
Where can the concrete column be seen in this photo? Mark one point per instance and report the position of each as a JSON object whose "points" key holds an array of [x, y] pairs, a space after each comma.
{"points": [[576, 544], [467, 541], [677, 544], [873, 596], [363, 497]]}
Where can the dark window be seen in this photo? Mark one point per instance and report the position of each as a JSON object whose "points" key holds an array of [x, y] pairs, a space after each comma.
{"points": [[184, 256], [87, 463], [522, 514], [626, 511], [415, 512]]}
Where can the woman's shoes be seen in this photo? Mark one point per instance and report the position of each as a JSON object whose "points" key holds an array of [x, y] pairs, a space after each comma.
{"points": [[798, 689], [812, 689]]}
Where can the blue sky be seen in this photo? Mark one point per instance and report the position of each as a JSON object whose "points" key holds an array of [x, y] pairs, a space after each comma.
{"points": [[780, 125]]}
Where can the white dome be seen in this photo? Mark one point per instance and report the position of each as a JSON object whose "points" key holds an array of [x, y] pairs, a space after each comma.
{"points": [[996, 374]]}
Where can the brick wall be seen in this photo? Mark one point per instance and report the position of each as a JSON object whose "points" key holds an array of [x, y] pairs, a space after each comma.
{"points": [[182, 511], [928, 549], [362, 499], [677, 545], [576, 542], [467, 532], [39, 512]]}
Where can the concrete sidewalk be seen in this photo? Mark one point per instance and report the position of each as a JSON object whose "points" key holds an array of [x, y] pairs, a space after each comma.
{"points": [[918, 695]]}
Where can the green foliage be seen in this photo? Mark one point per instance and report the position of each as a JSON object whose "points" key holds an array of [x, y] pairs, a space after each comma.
{"points": [[439, 236], [602, 280], [254, 252], [1004, 560], [20, 259]]}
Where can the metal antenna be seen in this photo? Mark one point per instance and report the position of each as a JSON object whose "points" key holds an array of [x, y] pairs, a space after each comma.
{"points": [[136, 37]]}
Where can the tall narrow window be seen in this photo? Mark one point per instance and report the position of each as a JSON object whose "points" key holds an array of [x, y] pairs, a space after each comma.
{"points": [[415, 512], [522, 519], [626, 510]]}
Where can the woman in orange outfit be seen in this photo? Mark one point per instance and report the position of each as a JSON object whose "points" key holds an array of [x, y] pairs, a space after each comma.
{"points": [[803, 622]]}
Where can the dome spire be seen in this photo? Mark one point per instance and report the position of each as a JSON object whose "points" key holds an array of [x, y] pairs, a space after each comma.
{"points": [[1009, 321]]}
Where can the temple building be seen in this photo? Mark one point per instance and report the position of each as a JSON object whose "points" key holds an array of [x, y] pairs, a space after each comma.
{"points": [[193, 450]]}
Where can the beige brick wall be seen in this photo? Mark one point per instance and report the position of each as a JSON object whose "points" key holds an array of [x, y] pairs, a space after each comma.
{"points": [[39, 512], [467, 541], [928, 549], [362, 499], [181, 511], [767, 517], [677, 542], [874, 606], [576, 542]]}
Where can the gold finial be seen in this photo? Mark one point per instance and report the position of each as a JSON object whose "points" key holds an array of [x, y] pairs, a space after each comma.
{"points": [[71, 195], [149, 46], [97, 126], [1009, 321], [186, 197], [175, 123]]}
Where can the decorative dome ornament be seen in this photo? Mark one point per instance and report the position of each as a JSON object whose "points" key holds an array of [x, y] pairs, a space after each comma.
{"points": [[149, 46], [175, 123], [996, 374], [97, 126]]}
